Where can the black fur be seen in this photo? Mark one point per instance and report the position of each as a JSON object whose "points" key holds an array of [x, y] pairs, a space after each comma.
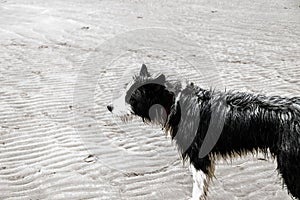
{"points": [[251, 123]]}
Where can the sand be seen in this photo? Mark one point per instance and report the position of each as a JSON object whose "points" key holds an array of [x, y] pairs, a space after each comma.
{"points": [[62, 62]]}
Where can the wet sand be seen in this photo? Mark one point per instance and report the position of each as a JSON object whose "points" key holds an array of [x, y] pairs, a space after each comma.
{"points": [[61, 63]]}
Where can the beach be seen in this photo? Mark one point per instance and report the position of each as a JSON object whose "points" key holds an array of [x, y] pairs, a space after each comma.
{"points": [[62, 63]]}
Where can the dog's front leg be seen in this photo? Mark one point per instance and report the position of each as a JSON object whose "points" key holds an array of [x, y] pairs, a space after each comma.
{"points": [[200, 184]]}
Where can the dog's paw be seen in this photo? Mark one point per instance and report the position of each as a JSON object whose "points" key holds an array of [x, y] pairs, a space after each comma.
{"points": [[198, 198]]}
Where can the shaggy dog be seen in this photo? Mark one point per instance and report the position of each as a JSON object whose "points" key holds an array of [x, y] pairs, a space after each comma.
{"points": [[207, 124]]}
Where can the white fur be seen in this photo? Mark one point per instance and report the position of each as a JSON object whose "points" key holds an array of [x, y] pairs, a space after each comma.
{"points": [[184, 83], [183, 86], [120, 106], [199, 179]]}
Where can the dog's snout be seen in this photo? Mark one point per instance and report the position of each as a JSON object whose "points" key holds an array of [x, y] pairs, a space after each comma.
{"points": [[110, 107]]}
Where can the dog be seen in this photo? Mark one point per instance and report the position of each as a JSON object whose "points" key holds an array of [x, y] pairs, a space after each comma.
{"points": [[236, 123]]}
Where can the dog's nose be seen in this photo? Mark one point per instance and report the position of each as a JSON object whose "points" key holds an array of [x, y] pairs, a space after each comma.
{"points": [[110, 107]]}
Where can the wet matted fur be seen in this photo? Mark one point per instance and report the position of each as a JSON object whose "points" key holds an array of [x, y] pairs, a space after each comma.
{"points": [[250, 123]]}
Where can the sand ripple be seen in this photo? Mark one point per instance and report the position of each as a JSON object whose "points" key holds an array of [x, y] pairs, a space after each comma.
{"points": [[54, 147]]}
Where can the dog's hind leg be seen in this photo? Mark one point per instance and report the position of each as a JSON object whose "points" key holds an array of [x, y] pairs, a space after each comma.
{"points": [[289, 168], [200, 183]]}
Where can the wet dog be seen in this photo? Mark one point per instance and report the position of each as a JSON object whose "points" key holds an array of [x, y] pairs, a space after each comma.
{"points": [[208, 124]]}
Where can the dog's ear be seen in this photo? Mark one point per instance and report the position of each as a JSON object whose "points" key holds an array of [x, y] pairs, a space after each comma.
{"points": [[144, 71], [161, 79]]}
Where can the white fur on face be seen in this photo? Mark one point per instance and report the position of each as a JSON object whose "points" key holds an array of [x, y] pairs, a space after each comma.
{"points": [[120, 106], [199, 179]]}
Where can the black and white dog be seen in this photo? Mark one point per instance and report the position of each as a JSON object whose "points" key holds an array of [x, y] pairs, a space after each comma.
{"points": [[233, 123]]}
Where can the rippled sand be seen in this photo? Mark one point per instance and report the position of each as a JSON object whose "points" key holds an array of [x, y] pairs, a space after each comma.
{"points": [[61, 63]]}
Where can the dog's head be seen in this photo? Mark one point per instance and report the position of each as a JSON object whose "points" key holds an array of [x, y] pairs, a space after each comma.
{"points": [[146, 97]]}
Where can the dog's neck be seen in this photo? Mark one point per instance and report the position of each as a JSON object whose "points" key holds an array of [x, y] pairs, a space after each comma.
{"points": [[178, 106]]}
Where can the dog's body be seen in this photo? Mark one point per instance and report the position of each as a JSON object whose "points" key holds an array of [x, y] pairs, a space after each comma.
{"points": [[245, 122]]}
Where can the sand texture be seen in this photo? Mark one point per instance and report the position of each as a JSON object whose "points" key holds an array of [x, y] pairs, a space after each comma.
{"points": [[62, 62]]}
